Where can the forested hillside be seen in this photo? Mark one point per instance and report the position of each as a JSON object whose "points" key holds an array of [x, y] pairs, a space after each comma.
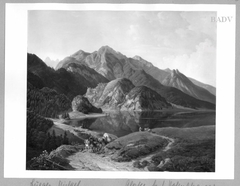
{"points": [[46, 102], [38, 138]]}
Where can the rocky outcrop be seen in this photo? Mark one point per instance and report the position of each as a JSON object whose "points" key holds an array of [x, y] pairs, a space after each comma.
{"points": [[81, 104], [110, 95], [121, 94], [143, 98]]}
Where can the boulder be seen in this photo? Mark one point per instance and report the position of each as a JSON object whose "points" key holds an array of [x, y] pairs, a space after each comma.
{"points": [[81, 104]]}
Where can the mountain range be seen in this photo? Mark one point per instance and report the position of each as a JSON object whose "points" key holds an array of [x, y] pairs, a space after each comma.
{"points": [[83, 73], [112, 64]]}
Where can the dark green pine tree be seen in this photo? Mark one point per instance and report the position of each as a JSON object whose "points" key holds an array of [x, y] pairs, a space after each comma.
{"points": [[46, 143], [52, 142], [65, 139]]}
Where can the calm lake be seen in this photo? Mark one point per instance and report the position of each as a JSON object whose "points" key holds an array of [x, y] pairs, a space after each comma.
{"points": [[123, 123]]}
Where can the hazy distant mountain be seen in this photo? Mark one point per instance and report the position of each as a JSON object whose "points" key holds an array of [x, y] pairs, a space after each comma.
{"points": [[123, 95], [181, 82], [210, 88], [112, 65], [51, 62]]}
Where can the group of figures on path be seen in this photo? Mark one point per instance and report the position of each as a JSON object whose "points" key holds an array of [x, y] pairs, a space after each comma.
{"points": [[96, 145]]}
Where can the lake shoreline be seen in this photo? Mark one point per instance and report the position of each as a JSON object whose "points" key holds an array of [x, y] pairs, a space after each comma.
{"points": [[75, 115]]}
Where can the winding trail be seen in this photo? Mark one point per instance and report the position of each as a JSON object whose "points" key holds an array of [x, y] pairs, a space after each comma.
{"points": [[170, 142], [87, 161]]}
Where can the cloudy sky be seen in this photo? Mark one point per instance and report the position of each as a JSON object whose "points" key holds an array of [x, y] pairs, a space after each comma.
{"points": [[175, 40]]}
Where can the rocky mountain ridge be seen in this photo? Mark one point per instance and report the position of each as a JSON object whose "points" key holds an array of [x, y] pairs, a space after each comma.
{"points": [[210, 88], [180, 81], [113, 65], [72, 80]]}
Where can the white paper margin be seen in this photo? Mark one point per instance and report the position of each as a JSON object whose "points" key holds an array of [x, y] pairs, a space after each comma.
{"points": [[15, 92]]}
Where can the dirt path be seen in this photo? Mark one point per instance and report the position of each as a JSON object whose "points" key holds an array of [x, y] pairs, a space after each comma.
{"points": [[91, 161], [85, 160], [170, 142]]}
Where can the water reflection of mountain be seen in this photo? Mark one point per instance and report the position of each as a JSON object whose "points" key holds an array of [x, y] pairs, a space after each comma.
{"points": [[123, 123], [84, 123]]}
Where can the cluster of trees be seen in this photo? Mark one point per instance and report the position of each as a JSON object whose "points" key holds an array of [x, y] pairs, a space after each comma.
{"points": [[52, 141], [46, 102], [38, 137]]}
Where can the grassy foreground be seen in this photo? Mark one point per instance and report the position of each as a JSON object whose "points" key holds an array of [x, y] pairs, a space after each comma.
{"points": [[192, 151]]}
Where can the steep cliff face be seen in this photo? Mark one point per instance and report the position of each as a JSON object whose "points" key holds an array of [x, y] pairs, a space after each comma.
{"points": [[110, 95], [143, 98], [123, 95]]}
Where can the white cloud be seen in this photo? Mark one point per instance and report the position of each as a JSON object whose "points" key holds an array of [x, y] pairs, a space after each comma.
{"points": [[200, 22], [133, 32], [200, 64], [183, 33]]}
